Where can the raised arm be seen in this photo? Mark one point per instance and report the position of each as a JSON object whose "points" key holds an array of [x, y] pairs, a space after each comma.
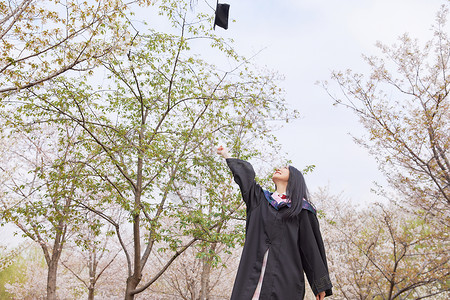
{"points": [[244, 176], [222, 151]]}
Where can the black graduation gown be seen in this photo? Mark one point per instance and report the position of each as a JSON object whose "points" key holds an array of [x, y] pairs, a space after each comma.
{"points": [[294, 246]]}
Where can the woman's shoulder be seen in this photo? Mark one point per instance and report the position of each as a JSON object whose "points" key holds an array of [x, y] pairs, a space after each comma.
{"points": [[308, 206]]}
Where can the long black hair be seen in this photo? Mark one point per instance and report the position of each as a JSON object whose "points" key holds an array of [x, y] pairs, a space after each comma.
{"points": [[296, 191]]}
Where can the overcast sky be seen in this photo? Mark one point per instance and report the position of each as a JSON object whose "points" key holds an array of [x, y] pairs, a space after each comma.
{"points": [[305, 40]]}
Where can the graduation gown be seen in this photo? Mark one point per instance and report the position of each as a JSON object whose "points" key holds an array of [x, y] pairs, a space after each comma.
{"points": [[295, 246]]}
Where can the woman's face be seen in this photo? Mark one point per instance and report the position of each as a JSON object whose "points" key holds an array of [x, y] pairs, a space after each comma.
{"points": [[281, 174]]}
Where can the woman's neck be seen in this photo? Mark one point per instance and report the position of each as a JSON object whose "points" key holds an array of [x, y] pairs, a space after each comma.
{"points": [[281, 187]]}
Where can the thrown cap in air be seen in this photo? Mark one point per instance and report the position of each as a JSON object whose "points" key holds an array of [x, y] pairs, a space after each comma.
{"points": [[221, 19]]}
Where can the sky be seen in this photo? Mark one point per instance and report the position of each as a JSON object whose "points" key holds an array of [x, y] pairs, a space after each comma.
{"points": [[305, 40]]}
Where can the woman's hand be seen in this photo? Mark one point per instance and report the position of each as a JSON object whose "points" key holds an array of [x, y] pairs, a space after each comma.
{"points": [[320, 295], [223, 151]]}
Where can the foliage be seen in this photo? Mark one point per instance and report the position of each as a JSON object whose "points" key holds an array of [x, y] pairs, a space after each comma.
{"points": [[383, 252], [19, 275], [9, 269], [41, 188], [42, 39], [93, 260]]}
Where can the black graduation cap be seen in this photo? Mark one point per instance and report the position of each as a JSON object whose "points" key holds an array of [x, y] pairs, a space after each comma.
{"points": [[221, 19]]}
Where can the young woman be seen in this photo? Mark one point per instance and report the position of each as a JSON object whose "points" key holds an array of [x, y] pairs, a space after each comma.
{"points": [[282, 238]]}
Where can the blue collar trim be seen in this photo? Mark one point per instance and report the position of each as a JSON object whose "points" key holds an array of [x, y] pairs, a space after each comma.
{"points": [[305, 204]]}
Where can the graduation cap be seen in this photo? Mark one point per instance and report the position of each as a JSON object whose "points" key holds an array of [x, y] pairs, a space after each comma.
{"points": [[221, 19]]}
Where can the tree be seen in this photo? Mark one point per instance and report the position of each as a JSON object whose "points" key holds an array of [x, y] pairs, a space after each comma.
{"points": [[185, 277], [91, 255], [146, 134], [383, 252], [404, 106], [39, 193], [42, 39]]}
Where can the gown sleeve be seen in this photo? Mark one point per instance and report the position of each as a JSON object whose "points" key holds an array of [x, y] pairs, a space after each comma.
{"points": [[312, 253], [244, 176]]}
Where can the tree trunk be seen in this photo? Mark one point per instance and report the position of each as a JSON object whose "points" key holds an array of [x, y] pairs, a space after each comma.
{"points": [[92, 264], [131, 286], [51, 280], [135, 278], [206, 272], [91, 293], [53, 260]]}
